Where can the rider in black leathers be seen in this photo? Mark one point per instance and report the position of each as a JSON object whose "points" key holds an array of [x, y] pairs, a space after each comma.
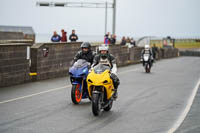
{"points": [[147, 50], [85, 53]]}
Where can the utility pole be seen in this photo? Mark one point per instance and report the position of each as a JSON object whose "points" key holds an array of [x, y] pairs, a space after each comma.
{"points": [[105, 5], [106, 14], [114, 16]]}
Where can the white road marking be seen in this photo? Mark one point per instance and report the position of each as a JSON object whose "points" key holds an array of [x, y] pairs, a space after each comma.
{"points": [[35, 94], [51, 90], [187, 109], [132, 70]]}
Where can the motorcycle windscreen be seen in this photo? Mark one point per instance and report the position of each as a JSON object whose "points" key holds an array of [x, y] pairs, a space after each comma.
{"points": [[79, 68], [81, 63], [100, 68]]}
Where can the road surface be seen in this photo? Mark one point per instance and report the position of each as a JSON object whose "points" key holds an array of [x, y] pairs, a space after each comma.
{"points": [[147, 103]]}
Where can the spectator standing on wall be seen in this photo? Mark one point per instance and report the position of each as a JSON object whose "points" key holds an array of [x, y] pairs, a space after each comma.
{"points": [[64, 36], [128, 40], [123, 41], [109, 36], [113, 39], [133, 42], [55, 37], [106, 39], [73, 37], [154, 50]]}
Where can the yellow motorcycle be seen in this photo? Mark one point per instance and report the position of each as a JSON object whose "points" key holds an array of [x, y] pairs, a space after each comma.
{"points": [[100, 88]]}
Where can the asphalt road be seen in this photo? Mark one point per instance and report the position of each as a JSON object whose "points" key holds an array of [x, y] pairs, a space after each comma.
{"points": [[147, 103], [191, 124]]}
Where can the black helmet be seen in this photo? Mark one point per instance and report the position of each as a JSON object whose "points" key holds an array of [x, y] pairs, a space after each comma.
{"points": [[86, 45]]}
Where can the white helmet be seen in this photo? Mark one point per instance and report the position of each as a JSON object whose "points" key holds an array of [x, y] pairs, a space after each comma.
{"points": [[103, 47], [146, 47]]}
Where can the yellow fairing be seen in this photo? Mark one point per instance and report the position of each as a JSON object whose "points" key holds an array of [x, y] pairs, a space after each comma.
{"points": [[103, 80]]}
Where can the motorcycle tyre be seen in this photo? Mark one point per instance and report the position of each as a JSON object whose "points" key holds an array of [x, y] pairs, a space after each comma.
{"points": [[96, 104], [147, 69], [76, 99]]}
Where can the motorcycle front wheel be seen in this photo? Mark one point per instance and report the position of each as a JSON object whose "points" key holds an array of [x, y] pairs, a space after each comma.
{"points": [[76, 94], [96, 103], [147, 68]]}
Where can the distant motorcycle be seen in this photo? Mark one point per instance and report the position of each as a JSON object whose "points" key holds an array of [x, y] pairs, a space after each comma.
{"points": [[78, 74], [147, 63], [100, 88]]}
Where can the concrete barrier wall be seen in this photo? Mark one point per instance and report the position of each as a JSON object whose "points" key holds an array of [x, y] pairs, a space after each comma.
{"points": [[51, 60], [16, 41], [11, 35], [14, 65], [135, 54], [190, 53], [121, 54], [55, 63], [168, 53]]}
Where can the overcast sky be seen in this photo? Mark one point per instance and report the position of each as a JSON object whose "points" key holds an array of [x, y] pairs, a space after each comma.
{"points": [[134, 17]]}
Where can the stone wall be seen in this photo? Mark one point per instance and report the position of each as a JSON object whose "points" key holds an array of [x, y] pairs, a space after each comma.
{"points": [[51, 60], [11, 35], [121, 53], [168, 53], [135, 54], [190, 53], [14, 65], [54, 63], [60, 55]]}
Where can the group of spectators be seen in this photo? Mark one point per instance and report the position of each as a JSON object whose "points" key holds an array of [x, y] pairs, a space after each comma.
{"points": [[63, 38], [108, 38], [111, 39], [129, 41]]}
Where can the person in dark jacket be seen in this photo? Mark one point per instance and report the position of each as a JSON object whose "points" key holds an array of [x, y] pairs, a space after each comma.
{"points": [[123, 41], [85, 53], [55, 37], [64, 36], [113, 39], [73, 37], [154, 51], [133, 42]]}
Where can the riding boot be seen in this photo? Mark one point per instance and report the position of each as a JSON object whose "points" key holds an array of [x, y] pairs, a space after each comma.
{"points": [[115, 95], [116, 83]]}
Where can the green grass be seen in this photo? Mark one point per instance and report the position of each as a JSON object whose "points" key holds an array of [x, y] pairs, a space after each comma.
{"points": [[183, 43], [187, 44]]}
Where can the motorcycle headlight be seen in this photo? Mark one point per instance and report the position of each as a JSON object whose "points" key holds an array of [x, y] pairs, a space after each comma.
{"points": [[105, 82], [85, 70]]}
